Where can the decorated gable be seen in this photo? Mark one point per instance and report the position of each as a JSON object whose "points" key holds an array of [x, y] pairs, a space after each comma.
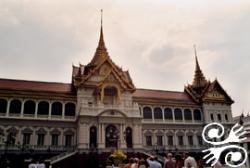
{"points": [[216, 93]]}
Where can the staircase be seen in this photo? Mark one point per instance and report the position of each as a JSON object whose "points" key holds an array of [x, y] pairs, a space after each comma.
{"points": [[61, 156]]}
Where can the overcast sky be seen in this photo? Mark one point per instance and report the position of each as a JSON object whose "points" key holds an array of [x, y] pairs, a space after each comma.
{"points": [[153, 39]]}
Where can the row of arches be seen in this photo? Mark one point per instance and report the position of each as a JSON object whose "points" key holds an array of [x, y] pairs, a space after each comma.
{"points": [[16, 106], [38, 137], [169, 114], [172, 138]]}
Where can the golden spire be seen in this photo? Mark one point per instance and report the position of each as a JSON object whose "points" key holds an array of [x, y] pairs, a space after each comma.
{"points": [[199, 79], [101, 51], [101, 43]]}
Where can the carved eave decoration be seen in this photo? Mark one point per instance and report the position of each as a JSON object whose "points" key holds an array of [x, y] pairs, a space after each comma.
{"points": [[120, 76], [197, 97], [215, 93]]}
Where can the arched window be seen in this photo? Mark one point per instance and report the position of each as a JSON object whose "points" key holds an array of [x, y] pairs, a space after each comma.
{"points": [[56, 108], [197, 115], [93, 137], [43, 108], [147, 113], [187, 114], [226, 117], [178, 114], [168, 114], [70, 109], [157, 113], [3, 106], [29, 107], [219, 117], [15, 106]]}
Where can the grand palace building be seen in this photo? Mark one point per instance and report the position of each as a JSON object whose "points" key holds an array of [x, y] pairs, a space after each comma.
{"points": [[102, 110]]}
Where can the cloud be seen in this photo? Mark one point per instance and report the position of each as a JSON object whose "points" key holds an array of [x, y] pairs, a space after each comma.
{"points": [[40, 40]]}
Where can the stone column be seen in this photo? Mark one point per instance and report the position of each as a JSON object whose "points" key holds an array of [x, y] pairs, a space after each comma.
{"points": [[47, 140], [195, 140], [33, 138], [22, 107], [102, 136], [202, 116], [185, 139], [61, 138], [175, 139], [36, 109], [83, 135], [137, 136], [163, 116], [183, 117], [153, 115], [63, 110], [50, 107], [99, 136], [122, 141], [173, 114], [192, 112], [19, 137], [8, 108], [101, 133]]}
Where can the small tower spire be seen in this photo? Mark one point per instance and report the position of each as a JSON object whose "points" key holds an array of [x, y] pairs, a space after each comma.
{"points": [[199, 79], [101, 51], [197, 66], [101, 43]]}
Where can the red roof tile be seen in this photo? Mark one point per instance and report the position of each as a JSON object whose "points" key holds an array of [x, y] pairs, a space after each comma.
{"points": [[35, 86], [161, 94]]}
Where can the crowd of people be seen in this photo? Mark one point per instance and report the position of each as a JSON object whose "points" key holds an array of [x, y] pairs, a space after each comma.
{"points": [[170, 161]]}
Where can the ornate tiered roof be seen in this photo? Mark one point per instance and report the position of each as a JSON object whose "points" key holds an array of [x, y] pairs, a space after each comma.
{"points": [[199, 79], [202, 90], [101, 69]]}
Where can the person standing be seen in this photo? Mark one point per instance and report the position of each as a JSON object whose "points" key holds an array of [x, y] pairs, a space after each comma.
{"points": [[129, 164], [189, 162], [179, 161], [153, 163], [169, 161], [136, 163]]}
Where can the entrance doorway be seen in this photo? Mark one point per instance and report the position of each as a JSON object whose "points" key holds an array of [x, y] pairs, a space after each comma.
{"points": [[112, 136], [128, 136], [93, 137]]}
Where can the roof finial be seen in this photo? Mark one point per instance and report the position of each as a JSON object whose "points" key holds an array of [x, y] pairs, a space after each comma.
{"points": [[101, 17], [101, 40], [195, 53], [196, 58], [199, 79], [101, 51]]}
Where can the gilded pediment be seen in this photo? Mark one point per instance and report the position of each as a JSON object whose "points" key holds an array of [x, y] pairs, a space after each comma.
{"points": [[215, 93]]}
